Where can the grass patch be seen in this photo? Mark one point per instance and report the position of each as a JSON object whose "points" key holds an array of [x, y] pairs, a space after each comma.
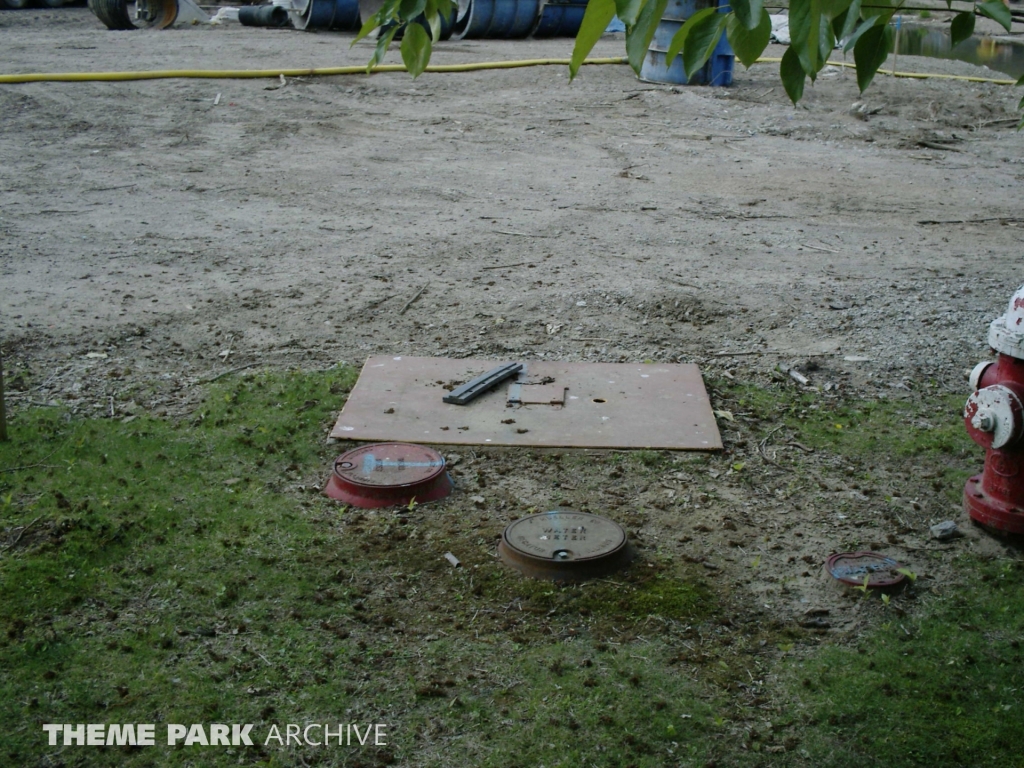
{"points": [[946, 688], [191, 572], [928, 426]]}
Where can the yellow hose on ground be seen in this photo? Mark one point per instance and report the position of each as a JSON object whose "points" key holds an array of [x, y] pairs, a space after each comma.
{"points": [[914, 75], [238, 74]]}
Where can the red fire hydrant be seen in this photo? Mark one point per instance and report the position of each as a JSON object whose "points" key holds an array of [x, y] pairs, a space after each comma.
{"points": [[994, 416]]}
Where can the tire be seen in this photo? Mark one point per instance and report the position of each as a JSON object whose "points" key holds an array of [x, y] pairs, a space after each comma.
{"points": [[113, 13], [52, 3], [120, 14], [14, 4]]}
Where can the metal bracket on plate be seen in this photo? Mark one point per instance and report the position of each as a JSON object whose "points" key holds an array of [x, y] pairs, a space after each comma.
{"points": [[472, 389]]}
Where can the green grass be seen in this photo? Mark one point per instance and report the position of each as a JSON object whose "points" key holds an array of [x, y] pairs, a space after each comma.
{"points": [[945, 688], [161, 572]]}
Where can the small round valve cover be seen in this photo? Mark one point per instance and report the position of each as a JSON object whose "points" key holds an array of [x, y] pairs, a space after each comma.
{"points": [[994, 416], [389, 474], [564, 545], [870, 570]]}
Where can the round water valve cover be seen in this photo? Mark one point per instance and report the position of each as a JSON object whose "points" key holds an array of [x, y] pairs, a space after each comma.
{"points": [[389, 474], [851, 568], [565, 546]]}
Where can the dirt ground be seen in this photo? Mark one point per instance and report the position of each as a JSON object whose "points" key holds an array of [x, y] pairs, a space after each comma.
{"points": [[156, 234]]}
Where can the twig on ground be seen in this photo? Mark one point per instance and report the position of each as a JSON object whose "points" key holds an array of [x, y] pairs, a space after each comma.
{"points": [[226, 373], [410, 301], [986, 220], [819, 248], [21, 533], [508, 266], [762, 447]]}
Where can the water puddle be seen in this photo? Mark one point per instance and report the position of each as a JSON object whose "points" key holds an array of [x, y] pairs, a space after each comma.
{"points": [[998, 54]]}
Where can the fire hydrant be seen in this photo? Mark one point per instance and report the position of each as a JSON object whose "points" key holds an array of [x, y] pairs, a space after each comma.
{"points": [[994, 417]]}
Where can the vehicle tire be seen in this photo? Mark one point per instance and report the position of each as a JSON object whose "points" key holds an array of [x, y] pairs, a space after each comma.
{"points": [[121, 14], [113, 13], [14, 4]]}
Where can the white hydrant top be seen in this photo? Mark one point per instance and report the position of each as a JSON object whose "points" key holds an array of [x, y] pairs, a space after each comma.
{"points": [[1006, 334]]}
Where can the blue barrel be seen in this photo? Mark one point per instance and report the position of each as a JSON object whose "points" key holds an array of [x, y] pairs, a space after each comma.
{"points": [[331, 14], [560, 18], [502, 19], [717, 70]]}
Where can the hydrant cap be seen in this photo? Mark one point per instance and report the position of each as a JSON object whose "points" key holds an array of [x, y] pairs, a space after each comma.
{"points": [[1006, 334]]}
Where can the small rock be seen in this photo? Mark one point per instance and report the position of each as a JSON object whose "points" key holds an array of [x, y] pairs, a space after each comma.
{"points": [[477, 500], [945, 530]]}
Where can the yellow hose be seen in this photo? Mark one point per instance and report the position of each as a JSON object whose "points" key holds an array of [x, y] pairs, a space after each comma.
{"points": [[238, 74], [915, 75]]}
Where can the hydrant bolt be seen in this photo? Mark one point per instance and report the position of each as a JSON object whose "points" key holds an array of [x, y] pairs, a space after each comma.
{"points": [[985, 421]]}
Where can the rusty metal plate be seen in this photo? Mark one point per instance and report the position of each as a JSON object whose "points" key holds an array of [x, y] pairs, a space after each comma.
{"points": [[389, 474], [565, 545], [608, 405], [852, 567]]}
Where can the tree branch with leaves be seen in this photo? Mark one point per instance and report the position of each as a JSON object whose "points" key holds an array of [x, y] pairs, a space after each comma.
{"points": [[815, 27]]}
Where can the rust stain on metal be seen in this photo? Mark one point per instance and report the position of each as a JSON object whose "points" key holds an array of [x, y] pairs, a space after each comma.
{"points": [[564, 545], [607, 405]]}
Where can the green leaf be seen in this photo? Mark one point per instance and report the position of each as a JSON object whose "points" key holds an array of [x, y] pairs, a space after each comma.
{"points": [[701, 42], [445, 9], [870, 53], [850, 21], [627, 10], [370, 25], [595, 21], [996, 11], [908, 573], [833, 8], [793, 75], [416, 47], [868, 23], [748, 12], [434, 21], [638, 37], [805, 34], [379, 19], [410, 9], [961, 28], [383, 42], [679, 38], [826, 42], [748, 44]]}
